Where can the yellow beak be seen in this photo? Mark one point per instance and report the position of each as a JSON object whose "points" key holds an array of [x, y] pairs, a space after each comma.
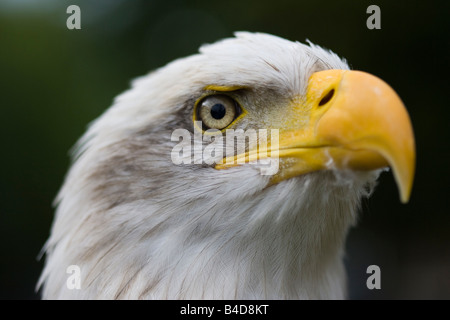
{"points": [[356, 121]]}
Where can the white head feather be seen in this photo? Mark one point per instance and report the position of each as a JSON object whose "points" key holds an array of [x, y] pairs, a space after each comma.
{"points": [[139, 226]]}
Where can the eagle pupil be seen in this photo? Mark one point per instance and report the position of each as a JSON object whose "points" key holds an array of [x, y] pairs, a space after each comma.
{"points": [[218, 111]]}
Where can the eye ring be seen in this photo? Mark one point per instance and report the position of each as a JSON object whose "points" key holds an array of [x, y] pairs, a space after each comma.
{"points": [[217, 111]]}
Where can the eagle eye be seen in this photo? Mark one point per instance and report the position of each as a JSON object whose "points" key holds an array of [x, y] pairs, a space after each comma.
{"points": [[217, 111]]}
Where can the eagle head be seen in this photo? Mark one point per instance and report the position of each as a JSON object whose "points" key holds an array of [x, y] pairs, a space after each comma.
{"points": [[161, 203]]}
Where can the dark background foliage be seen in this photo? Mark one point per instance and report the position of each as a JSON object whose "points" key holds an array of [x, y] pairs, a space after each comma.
{"points": [[54, 81]]}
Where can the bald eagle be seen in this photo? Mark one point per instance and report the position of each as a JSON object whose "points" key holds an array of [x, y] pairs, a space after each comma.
{"points": [[140, 225]]}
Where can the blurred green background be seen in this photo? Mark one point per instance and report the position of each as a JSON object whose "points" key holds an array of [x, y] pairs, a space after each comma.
{"points": [[54, 81]]}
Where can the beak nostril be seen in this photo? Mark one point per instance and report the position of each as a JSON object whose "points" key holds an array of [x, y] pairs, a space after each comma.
{"points": [[326, 98]]}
